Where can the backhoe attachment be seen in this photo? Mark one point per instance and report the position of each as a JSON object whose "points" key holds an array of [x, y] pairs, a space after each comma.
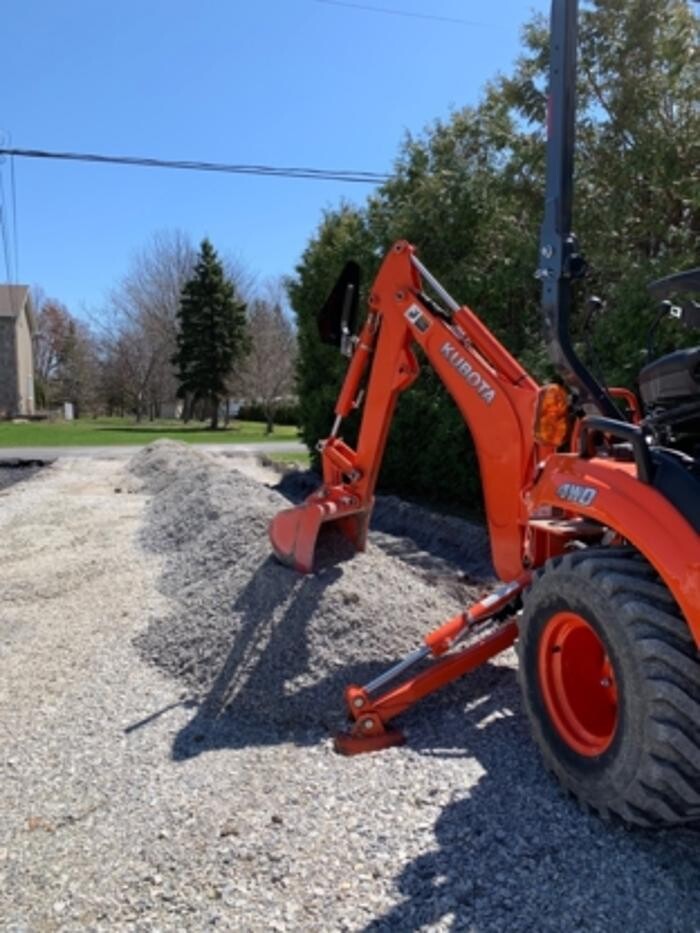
{"points": [[494, 394]]}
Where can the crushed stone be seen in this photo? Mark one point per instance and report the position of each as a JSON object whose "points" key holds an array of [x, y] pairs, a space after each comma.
{"points": [[257, 640], [126, 806], [450, 541]]}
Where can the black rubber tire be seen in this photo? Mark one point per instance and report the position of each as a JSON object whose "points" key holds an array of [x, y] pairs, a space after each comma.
{"points": [[650, 773]]}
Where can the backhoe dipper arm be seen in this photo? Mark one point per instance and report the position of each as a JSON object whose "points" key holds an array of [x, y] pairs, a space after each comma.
{"points": [[494, 394]]}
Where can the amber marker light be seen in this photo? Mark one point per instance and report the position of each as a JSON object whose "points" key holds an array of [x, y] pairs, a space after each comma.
{"points": [[552, 415]]}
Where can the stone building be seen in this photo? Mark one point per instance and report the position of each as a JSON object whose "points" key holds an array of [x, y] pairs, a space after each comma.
{"points": [[16, 352]]}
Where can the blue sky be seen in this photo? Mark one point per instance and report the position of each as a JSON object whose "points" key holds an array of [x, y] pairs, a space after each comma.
{"points": [[279, 82]]}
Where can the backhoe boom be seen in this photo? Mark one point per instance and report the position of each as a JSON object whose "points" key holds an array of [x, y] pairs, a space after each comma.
{"points": [[493, 392]]}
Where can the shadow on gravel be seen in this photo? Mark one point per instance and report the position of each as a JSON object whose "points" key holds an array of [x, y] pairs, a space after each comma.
{"points": [[252, 668], [264, 692], [17, 471], [514, 853], [265, 653], [227, 716]]}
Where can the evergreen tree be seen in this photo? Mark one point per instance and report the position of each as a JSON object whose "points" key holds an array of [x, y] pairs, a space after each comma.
{"points": [[211, 333]]}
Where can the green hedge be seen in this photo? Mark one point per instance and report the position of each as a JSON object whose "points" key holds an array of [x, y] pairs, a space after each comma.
{"points": [[284, 414]]}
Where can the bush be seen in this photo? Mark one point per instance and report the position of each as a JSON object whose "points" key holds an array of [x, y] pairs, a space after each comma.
{"points": [[284, 414]]}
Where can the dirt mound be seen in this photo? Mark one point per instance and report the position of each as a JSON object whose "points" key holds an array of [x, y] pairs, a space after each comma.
{"points": [[252, 637]]}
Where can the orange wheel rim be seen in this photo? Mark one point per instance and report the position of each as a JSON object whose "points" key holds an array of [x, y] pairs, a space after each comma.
{"points": [[578, 684]]}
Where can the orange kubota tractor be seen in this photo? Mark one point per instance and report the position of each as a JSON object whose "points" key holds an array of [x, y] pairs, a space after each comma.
{"points": [[593, 514]]}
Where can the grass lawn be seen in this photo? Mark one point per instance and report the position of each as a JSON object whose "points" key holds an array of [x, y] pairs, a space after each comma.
{"points": [[103, 432], [302, 458]]}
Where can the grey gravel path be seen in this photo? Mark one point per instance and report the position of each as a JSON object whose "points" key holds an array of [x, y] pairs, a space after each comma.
{"points": [[124, 451], [130, 799]]}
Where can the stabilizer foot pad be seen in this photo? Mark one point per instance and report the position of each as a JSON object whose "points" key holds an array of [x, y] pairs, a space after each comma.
{"points": [[346, 743]]}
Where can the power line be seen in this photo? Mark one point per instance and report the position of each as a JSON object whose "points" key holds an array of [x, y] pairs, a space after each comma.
{"points": [[406, 13], [316, 174]]}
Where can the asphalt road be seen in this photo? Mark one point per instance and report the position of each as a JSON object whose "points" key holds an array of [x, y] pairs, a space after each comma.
{"points": [[117, 452]]}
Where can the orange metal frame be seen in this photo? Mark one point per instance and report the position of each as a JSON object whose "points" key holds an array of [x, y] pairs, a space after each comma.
{"points": [[495, 395], [529, 516], [372, 714], [637, 512]]}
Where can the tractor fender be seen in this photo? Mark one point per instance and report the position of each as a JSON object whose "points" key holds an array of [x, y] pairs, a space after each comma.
{"points": [[609, 492]]}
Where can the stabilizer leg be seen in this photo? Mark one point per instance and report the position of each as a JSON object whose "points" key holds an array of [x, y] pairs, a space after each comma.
{"points": [[372, 713]]}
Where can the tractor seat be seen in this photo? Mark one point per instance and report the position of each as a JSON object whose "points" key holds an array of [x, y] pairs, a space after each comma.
{"points": [[672, 378]]}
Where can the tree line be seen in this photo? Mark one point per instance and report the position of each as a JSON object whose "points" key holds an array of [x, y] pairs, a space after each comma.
{"points": [[182, 332], [469, 194]]}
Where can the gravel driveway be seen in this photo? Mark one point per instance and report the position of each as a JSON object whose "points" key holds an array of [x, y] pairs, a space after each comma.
{"points": [[165, 696]]}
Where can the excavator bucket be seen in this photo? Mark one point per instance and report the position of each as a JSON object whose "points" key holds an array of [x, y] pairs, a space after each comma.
{"points": [[294, 532]]}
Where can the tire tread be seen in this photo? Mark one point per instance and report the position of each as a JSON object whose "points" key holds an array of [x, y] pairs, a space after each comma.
{"points": [[666, 787]]}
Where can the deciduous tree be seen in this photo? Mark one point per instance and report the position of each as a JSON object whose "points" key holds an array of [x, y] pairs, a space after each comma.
{"points": [[65, 356], [268, 370], [141, 323]]}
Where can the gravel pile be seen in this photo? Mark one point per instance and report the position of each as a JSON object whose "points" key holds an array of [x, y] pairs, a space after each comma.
{"points": [[255, 639], [427, 540]]}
